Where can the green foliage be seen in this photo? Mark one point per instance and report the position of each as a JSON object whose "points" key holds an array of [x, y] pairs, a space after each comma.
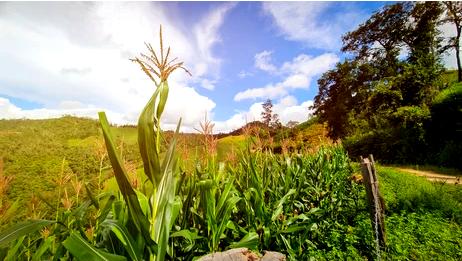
{"points": [[82, 250], [422, 236], [33, 152], [404, 192], [423, 218], [22, 229], [229, 145], [444, 130], [283, 204], [380, 101]]}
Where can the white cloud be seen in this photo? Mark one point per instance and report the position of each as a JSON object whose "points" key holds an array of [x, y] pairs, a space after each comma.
{"points": [[72, 56], [206, 35], [296, 81], [263, 62], [10, 111], [298, 74], [208, 84], [287, 109], [244, 74], [269, 91], [294, 111], [313, 23]]}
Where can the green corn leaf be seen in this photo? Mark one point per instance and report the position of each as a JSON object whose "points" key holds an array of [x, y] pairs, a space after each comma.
{"points": [[224, 196], [224, 218], [43, 248], [162, 99], [124, 236], [280, 204], [22, 229], [81, 210], [92, 198], [82, 250], [148, 141], [105, 210], [129, 195], [144, 203], [190, 236], [12, 253], [164, 205], [289, 249], [251, 241]]}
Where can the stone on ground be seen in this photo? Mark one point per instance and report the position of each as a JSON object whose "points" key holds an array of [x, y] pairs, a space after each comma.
{"points": [[243, 254]]}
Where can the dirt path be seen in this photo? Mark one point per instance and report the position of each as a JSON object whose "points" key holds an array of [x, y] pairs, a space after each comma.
{"points": [[433, 176]]}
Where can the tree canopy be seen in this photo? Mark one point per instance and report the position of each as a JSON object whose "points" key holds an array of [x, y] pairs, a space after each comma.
{"points": [[379, 99]]}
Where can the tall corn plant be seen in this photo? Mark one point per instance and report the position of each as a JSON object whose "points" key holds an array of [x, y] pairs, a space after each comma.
{"points": [[155, 223]]}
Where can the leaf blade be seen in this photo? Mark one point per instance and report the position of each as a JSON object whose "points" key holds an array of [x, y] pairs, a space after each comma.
{"points": [[22, 229]]}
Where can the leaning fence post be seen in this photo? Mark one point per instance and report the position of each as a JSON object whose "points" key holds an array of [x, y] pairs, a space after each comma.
{"points": [[374, 200]]}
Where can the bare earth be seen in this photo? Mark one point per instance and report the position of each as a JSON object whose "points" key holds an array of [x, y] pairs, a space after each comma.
{"points": [[433, 176]]}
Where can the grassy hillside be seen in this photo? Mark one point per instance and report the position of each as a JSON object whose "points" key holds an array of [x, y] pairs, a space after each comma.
{"points": [[36, 153]]}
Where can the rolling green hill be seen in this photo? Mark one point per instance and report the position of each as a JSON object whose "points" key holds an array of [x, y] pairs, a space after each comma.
{"points": [[36, 153]]}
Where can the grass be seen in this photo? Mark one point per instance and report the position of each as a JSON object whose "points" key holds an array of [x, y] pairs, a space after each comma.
{"points": [[424, 219], [229, 147], [404, 192]]}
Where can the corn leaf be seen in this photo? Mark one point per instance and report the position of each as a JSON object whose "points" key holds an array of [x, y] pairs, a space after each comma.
{"points": [[92, 197], [43, 248], [82, 250], [164, 205], [124, 236], [280, 204], [140, 220], [22, 229], [189, 236], [147, 142], [251, 241], [162, 99], [13, 252], [105, 210]]}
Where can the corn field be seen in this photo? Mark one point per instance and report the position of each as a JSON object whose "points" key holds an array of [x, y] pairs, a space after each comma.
{"points": [[292, 204]]}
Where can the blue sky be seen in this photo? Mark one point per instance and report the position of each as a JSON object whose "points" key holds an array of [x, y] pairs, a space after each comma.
{"points": [[72, 58]]}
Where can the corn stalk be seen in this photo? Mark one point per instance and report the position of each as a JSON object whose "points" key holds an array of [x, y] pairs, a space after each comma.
{"points": [[155, 224]]}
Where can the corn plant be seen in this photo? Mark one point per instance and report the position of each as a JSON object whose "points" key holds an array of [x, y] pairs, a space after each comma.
{"points": [[155, 222], [139, 225]]}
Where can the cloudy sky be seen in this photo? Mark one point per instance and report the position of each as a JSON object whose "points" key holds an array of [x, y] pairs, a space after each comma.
{"points": [[73, 58]]}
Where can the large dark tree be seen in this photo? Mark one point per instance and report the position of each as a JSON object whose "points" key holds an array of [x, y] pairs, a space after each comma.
{"points": [[381, 94]]}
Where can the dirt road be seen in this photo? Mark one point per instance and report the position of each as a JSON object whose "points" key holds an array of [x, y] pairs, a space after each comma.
{"points": [[433, 176]]}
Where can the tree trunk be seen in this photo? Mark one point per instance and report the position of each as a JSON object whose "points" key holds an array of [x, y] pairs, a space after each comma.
{"points": [[459, 69]]}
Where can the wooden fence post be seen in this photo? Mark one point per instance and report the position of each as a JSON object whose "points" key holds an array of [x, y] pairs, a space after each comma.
{"points": [[374, 199]]}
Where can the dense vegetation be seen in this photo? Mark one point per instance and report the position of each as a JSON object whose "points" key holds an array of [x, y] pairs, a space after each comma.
{"points": [[144, 194], [390, 96]]}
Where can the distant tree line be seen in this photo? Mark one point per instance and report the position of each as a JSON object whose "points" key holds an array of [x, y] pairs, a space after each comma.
{"points": [[391, 96]]}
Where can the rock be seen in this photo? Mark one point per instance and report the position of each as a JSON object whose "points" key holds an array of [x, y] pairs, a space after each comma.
{"points": [[273, 256], [242, 254]]}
